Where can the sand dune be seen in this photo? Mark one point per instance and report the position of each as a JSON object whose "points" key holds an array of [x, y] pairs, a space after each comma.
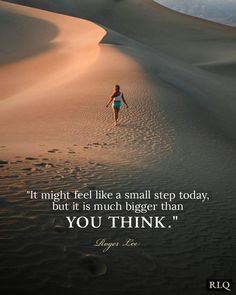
{"points": [[177, 38], [67, 60], [57, 97], [56, 75], [224, 68], [54, 53], [185, 37]]}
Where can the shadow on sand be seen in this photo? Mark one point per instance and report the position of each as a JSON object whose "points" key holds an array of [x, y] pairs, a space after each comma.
{"points": [[31, 35]]}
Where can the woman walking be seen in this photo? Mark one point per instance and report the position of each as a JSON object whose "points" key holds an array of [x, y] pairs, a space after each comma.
{"points": [[116, 99]]}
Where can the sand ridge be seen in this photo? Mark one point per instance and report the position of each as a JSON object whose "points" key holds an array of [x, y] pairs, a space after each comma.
{"points": [[175, 34], [78, 112]]}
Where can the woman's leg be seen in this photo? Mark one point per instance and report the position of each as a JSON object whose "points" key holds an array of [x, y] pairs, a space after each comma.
{"points": [[116, 111], [117, 115]]}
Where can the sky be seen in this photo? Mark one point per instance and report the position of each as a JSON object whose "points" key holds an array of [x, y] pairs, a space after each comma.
{"points": [[223, 11]]}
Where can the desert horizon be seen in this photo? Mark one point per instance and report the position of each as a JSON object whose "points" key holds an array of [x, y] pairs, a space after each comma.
{"points": [[213, 10]]}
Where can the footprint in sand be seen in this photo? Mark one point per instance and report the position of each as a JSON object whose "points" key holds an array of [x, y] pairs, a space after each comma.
{"points": [[99, 165], [59, 177], [43, 165], [54, 151], [96, 145], [31, 158], [77, 169], [93, 265], [26, 169], [29, 171], [60, 228], [68, 170]]}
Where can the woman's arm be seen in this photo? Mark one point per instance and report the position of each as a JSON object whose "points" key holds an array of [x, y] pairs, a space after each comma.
{"points": [[124, 100], [110, 101]]}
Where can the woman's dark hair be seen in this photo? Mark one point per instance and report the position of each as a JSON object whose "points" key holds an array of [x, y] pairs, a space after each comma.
{"points": [[118, 87]]}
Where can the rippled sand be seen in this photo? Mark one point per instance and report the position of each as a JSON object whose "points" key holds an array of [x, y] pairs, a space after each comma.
{"points": [[177, 135]]}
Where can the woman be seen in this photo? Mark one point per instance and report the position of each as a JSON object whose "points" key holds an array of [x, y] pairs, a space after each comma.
{"points": [[116, 99]]}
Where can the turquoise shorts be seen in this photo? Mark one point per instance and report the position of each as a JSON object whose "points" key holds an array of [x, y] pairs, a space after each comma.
{"points": [[116, 104]]}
